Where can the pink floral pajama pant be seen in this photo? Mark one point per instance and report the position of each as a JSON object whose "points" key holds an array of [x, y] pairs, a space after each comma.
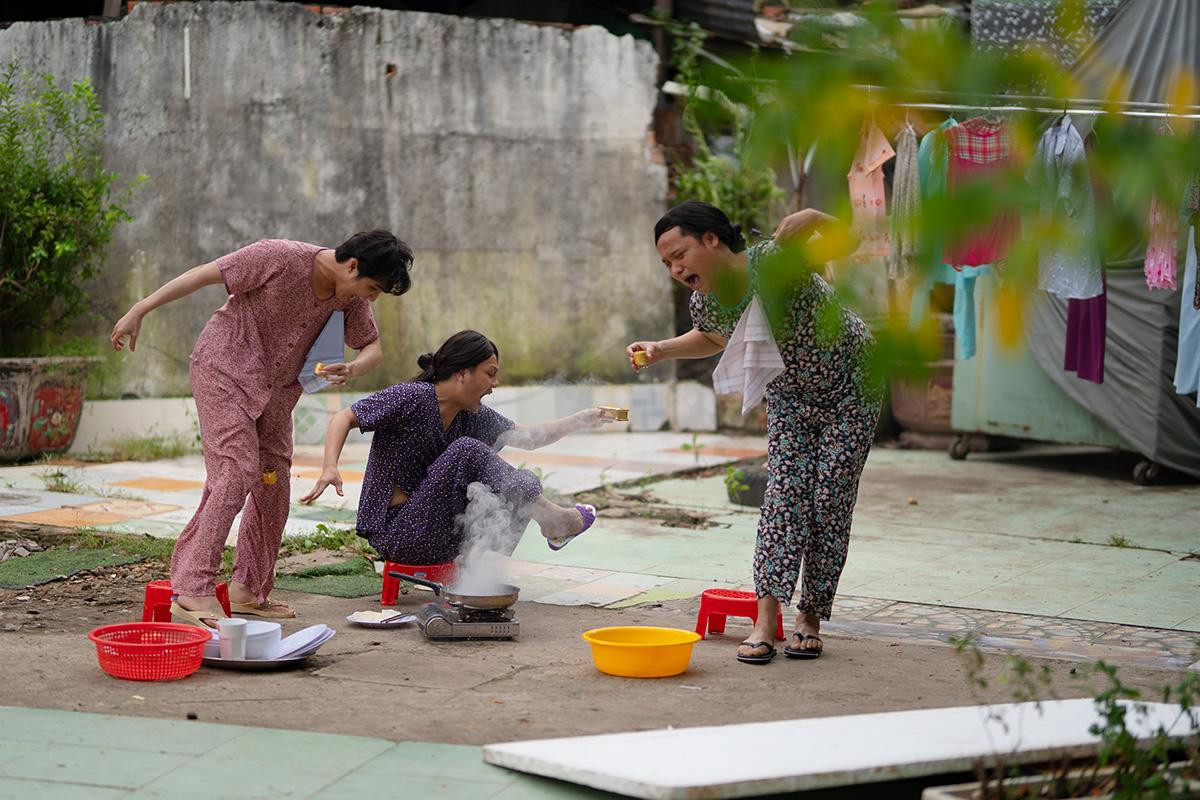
{"points": [[237, 451]]}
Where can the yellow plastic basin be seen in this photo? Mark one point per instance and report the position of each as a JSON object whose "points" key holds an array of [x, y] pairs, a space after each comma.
{"points": [[641, 652]]}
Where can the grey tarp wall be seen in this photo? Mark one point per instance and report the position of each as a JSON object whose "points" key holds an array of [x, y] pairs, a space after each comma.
{"points": [[1146, 42], [1137, 398]]}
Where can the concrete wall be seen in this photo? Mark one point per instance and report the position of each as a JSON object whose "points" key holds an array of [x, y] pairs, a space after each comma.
{"points": [[513, 158], [682, 405]]}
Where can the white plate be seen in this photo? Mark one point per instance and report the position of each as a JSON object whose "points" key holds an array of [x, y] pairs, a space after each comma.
{"points": [[393, 622], [305, 641]]}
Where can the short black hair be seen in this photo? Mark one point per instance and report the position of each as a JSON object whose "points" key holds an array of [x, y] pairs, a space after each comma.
{"points": [[381, 257], [463, 350], [696, 218]]}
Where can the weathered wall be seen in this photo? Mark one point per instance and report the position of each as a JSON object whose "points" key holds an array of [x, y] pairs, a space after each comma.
{"points": [[512, 157]]}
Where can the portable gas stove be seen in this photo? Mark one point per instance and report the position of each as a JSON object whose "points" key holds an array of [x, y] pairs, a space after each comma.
{"points": [[443, 621]]}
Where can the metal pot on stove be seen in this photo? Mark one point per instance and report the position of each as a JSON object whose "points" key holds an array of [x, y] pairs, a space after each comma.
{"points": [[457, 597]]}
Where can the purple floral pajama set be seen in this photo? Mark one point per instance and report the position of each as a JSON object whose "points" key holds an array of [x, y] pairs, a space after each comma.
{"points": [[821, 417], [244, 372], [412, 451]]}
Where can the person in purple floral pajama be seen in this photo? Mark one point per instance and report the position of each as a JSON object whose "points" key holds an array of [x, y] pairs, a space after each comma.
{"points": [[821, 412], [433, 438], [244, 372]]}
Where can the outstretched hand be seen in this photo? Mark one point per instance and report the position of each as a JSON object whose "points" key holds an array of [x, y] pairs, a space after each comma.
{"points": [[338, 374], [129, 325], [643, 354], [329, 477]]}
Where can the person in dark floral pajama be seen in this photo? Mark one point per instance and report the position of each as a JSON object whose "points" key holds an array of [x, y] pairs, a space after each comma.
{"points": [[433, 439], [821, 411]]}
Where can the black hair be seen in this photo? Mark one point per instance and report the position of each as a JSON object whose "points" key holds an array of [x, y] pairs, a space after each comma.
{"points": [[381, 257], [463, 350], [696, 218]]}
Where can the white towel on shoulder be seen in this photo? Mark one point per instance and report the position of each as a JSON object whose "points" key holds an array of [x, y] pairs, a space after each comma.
{"points": [[751, 358], [329, 348]]}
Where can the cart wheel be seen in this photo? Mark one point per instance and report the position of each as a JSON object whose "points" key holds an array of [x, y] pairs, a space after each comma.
{"points": [[1146, 472], [959, 447]]}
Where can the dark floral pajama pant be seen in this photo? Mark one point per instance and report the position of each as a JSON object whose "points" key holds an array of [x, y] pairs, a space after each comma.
{"points": [[813, 469], [425, 529]]}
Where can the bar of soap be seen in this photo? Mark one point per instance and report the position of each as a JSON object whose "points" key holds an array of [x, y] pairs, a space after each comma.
{"points": [[641, 358], [614, 413], [319, 368]]}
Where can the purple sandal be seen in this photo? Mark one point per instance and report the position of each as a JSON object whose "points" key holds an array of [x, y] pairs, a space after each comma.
{"points": [[589, 516]]}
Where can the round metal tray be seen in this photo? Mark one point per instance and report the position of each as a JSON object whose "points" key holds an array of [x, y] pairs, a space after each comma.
{"points": [[255, 665]]}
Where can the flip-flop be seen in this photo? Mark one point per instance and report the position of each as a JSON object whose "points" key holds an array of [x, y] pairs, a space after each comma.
{"points": [[268, 610], [802, 651], [764, 658], [185, 616], [589, 516]]}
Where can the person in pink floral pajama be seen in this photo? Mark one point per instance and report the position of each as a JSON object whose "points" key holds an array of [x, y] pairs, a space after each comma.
{"points": [[244, 373]]}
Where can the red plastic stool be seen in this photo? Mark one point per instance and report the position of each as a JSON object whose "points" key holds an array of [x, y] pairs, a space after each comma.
{"points": [[442, 573], [156, 607], [716, 604]]}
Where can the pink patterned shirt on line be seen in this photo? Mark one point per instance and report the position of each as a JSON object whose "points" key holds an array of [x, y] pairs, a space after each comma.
{"points": [[867, 201], [255, 344]]}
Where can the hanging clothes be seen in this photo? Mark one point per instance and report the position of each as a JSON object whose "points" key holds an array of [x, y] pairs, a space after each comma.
{"points": [[866, 192], [906, 206], [980, 151], [1191, 212], [1187, 358], [932, 164], [1187, 355], [1069, 266], [1087, 329], [1160, 253]]}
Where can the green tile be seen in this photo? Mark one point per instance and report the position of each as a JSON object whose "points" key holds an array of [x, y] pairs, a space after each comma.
{"points": [[1165, 598], [43, 725], [532, 787], [323, 514], [433, 761], [21, 789], [268, 763], [153, 735], [12, 749], [679, 589], [358, 786], [148, 527], [102, 766]]}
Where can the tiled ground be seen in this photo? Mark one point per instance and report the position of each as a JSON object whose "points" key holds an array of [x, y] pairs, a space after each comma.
{"points": [[1025, 547], [75, 756]]}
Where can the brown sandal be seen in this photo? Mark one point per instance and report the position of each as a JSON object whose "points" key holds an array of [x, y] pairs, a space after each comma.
{"points": [[268, 610], [185, 616]]}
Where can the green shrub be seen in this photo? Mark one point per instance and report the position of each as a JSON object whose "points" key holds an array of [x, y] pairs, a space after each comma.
{"points": [[58, 207]]}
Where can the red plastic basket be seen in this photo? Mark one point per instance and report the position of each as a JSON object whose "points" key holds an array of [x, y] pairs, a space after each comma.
{"points": [[149, 651]]}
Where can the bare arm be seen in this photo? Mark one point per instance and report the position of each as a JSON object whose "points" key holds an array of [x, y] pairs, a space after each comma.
{"points": [[693, 344], [367, 359], [335, 439], [823, 237], [531, 437], [183, 285]]}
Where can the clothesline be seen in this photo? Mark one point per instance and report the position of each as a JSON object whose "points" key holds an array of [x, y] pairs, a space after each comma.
{"points": [[1042, 104], [1088, 112]]}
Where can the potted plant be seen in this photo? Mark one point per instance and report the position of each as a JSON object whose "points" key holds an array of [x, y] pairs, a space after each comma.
{"points": [[1165, 766], [58, 210]]}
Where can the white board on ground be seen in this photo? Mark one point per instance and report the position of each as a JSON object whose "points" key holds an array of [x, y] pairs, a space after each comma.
{"points": [[796, 755]]}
